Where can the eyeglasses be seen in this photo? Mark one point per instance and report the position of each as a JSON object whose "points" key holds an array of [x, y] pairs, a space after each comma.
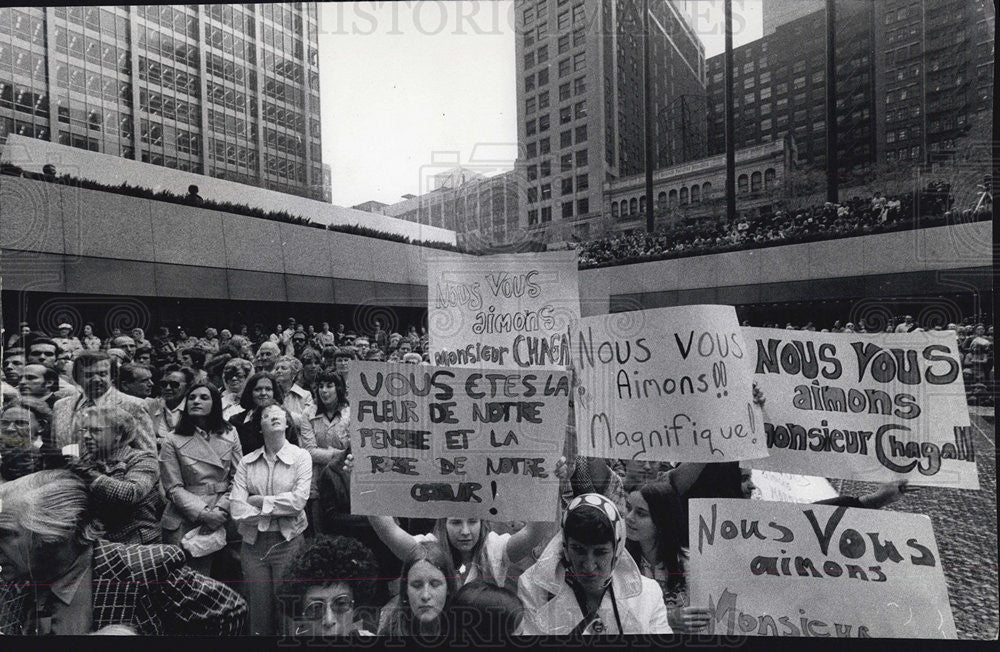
{"points": [[316, 609], [235, 374], [169, 383]]}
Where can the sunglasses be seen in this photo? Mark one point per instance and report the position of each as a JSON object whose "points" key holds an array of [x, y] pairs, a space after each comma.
{"points": [[316, 609], [169, 383]]}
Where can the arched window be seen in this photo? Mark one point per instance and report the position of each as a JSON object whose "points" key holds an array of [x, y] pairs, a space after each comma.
{"points": [[642, 204], [673, 198], [633, 206], [684, 196], [742, 184], [614, 210], [769, 176], [661, 200], [755, 179], [695, 194], [706, 191], [624, 207]]}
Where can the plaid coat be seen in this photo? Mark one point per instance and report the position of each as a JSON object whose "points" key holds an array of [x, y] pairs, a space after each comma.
{"points": [[150, 589]]}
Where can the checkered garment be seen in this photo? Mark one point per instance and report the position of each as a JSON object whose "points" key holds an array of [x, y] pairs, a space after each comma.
{"points": [[150, 589]]}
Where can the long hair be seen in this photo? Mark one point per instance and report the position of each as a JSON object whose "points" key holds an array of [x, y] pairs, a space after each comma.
{"points": [[214, 423], [401, 621], [246, 398], [329, 376], [667, 514], [480, 558]]}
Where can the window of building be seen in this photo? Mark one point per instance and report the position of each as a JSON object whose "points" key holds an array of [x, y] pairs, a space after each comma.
{"points": [[580, 110], [581, 158], [564, 92], [565, 162], [563, 43], [742, 185], [544, 146], [579, 86], [530, 127], [748, 82], [543, 100], [530, 105], [578, 13], [579, 61], [545, 168], [529, 60], [565, 67], [684, 196], [782, 88], [543, 77], [696, 194], [578, 36], [755, 181], [543, 123], [765, 108], [633, 206], [582, 182], [562, 21], [581, 133], [566, 138], [532, 150], [529, 83], [614, 210], [567, 186], [532, 172], [546, 191], [546, 214], [565, 115], [582, 206], [765, 125], [799, 83], [769, 178], [748, 98], [765, 93], [532, 195], [542, 53], [533, 217]]}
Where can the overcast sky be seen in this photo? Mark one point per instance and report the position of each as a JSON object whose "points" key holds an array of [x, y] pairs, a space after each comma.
{"points": [[410, 89]]}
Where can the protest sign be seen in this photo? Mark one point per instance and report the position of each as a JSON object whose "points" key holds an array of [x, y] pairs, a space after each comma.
{"points": [[873, 407], [432, 441], [782, 569], [503, 311], [671, 384], [791, 488]]}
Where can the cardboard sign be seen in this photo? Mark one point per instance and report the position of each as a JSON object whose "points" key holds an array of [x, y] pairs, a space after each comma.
{"points": [[433, 441], [791, 488], [504, 311], [781, 569], [671, 384], [873, 407]]}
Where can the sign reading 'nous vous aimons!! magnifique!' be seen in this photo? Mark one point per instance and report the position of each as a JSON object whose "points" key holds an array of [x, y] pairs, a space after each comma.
{"points": [[430, 441]]}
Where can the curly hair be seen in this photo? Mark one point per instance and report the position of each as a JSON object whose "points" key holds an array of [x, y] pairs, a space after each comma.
{"points": [[330, 560]]}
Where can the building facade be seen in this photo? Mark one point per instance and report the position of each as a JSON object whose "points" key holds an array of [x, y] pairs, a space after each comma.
{"points": [[229, 91], [483, 211], [580, 106], [780, 88], [935, 77], [696, 189]]}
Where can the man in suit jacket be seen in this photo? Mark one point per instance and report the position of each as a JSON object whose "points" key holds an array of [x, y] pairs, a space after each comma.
{"points": [[93, 372], [57, 576]]}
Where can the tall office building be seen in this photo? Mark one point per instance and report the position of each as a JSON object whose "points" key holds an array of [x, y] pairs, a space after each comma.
{"points": [[934, 69], [230, 91], [779, 87], [580, 103]]}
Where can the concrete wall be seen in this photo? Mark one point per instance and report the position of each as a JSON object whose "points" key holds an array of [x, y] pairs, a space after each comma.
{"points": [[32, 154]]}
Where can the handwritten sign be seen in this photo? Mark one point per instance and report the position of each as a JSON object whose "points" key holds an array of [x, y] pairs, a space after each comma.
{"points": [[671, 384], [781, 569], [791, 488], [864, 407], [431, 441], [502, 311]]}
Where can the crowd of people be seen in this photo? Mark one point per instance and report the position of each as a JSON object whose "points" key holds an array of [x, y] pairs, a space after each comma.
{"points": [[220, 466], [855, 216]]}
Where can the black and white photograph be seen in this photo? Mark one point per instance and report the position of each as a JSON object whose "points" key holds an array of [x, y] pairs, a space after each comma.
{"points": [[492, 322]]}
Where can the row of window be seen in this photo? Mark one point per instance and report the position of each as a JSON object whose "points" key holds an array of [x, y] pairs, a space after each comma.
{"points": [[169, 108], [94, 51], [544, 146], [170, 17], [176, 50], [566, 90], [229, 70], [233, 16], [168, 77], [230, 44], [224, 123], [23, 24], [93, 84], [23, 98], [20, 60], [582, 208]]}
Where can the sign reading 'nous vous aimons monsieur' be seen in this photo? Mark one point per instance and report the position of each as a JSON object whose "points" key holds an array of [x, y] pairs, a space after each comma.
{"points": [[781, 569], [433, 442]]}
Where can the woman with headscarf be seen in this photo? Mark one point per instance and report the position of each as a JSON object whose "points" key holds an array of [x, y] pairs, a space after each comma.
{"points": [[585, 582]]}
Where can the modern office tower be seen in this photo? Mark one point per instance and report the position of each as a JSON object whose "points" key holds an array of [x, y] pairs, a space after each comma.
{"points": [[780, 87], [230, 91], [483, 211], [580, 103], [934, 77]]}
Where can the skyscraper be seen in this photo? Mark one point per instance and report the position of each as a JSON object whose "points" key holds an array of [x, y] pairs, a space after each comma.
{"points": [[580, 102], [230, 91], [780, 87]]}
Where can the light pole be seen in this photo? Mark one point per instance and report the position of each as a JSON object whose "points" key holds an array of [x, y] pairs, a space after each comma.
{"points": [[647, 93]]}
